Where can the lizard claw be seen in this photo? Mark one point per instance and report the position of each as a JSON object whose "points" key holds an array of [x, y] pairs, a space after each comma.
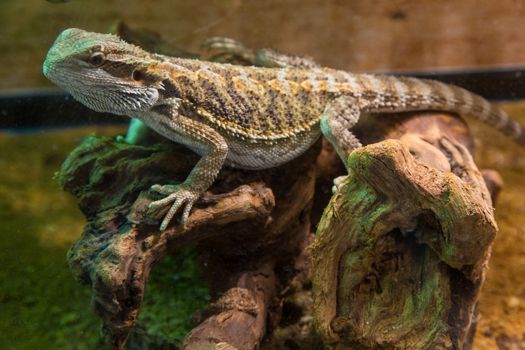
{"points": [[338, 182], [180, 195]]}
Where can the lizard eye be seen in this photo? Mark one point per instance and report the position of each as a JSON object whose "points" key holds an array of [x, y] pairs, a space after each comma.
{"points": [[97, 59], [137, 75]]}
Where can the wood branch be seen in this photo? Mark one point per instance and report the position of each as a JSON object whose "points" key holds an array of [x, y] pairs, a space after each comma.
{"points": [[121, 242], [400, 253], [239, 315]]}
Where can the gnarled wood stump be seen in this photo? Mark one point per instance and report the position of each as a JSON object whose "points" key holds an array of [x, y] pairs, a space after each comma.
{"points": [[401, 251]]}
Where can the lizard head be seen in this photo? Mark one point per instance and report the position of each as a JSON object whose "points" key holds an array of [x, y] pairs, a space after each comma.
{"points": [[103, 72]]}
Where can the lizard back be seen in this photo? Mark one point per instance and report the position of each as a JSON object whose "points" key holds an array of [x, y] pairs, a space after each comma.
{"points": [[255, 104]]}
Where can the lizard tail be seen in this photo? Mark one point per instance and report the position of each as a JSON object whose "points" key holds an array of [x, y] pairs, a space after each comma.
{"points": [[431, 94], [478, 107]]}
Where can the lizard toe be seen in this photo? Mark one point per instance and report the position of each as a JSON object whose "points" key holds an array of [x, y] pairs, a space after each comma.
{"points": [[163, 202], [171, 213], [338, 182], [186, 212], [164, 189]]}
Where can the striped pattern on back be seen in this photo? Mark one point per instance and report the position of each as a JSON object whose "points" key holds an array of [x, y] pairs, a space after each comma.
{"points": [[275, 103]]}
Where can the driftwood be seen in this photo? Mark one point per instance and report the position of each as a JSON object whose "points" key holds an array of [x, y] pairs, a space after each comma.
{"points": [[397, 262], [401, 251]]}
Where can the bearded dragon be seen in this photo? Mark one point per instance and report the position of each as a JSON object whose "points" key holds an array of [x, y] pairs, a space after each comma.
{"points": [[245, 117]]}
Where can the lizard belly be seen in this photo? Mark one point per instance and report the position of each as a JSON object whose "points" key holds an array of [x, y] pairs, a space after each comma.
{"points": [[245, 154], [264, 154]]}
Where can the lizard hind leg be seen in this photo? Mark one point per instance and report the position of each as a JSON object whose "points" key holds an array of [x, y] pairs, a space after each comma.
{"points": [[232, 51], [337, 120]]}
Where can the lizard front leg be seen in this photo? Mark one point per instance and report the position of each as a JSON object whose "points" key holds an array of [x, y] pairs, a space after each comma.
{"points": [[214, 151]]}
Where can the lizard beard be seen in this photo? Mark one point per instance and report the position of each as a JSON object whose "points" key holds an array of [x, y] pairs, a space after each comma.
{"points": [[118, 101], [102, 92]]}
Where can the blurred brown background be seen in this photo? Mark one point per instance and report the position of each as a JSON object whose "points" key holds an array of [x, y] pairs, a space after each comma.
{"points": [[359, 35]]}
